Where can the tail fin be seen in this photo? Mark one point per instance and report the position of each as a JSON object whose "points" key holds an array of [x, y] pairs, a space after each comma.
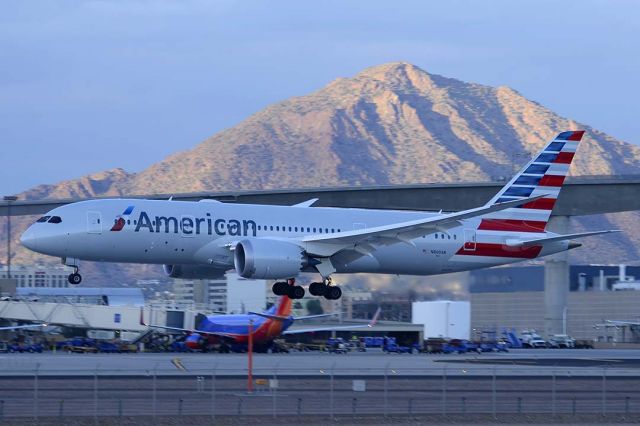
{"points": [[545, 174], [282, 308]]}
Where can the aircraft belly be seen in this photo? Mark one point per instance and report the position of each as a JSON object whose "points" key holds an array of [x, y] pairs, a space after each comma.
{"points": [[423, 259]]}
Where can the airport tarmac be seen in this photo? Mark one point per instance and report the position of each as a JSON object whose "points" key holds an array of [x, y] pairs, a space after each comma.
{"points": [[517, 362]]}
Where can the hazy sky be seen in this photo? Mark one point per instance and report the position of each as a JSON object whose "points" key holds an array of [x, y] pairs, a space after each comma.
{"points": [[89, 86]]}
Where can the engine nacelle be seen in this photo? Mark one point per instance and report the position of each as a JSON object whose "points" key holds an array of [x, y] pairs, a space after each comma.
{"points": [[193, 272], [268, 259]]}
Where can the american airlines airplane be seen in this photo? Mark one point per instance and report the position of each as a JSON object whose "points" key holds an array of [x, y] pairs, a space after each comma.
{"points": [[206, 238]]}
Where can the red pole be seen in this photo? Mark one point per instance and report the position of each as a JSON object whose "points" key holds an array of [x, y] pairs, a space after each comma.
{"points": [[250, 353]]}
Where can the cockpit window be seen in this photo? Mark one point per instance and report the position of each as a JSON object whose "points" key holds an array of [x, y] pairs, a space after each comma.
{"points": [[55, 219], [43, 219]]}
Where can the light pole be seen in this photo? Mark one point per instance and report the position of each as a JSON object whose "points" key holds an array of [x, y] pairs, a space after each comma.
{"points": [[9, 199]]}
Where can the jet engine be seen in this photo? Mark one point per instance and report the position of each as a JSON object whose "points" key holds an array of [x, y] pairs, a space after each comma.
{"points": [[268, 259], [193, 272]]}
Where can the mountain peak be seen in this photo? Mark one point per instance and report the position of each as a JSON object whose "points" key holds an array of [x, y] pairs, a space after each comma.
{"points": [[398, 75]]}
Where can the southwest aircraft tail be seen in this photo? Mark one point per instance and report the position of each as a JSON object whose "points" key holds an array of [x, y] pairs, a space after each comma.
{"points": [[542, 176]]}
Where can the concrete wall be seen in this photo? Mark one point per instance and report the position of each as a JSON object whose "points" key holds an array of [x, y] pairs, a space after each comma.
{"points": [[585, 311]]}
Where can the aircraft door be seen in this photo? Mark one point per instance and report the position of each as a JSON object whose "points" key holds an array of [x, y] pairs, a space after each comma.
{"points": [[469, 240], [358, 226], [94, 223]]}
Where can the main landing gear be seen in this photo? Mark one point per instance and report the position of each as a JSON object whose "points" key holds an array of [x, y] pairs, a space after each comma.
{"points": [[327, 288], [288, 288]]}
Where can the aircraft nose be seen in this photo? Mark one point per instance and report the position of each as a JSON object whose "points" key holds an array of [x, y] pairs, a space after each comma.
{"points": [[29, 239]]}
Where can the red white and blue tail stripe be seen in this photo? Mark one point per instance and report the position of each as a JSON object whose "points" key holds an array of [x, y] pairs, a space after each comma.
{"points": [[544, 175]]}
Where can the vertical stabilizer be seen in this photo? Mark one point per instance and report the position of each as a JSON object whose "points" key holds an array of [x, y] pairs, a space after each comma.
{"points": [[545, 174]]}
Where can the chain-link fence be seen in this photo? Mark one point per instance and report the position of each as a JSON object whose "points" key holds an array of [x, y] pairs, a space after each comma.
{"points": [[318, 392]]}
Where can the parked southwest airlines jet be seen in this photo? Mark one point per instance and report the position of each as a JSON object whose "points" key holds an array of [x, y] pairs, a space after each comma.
{"points": [[204, 239], [267, 326]]}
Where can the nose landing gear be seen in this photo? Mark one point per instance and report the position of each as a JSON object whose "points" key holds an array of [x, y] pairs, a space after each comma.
{"points": [[75, 278]]}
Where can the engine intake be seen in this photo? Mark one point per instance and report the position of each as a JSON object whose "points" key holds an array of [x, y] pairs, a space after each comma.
{"points": [[268, 259]]}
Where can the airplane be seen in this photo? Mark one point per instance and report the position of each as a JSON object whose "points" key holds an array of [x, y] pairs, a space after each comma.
{"points": [[266, 326], [204, 239]]}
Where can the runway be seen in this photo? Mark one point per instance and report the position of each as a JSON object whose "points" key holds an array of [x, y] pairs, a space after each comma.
{"points": [[518, 362], [534, 382]]}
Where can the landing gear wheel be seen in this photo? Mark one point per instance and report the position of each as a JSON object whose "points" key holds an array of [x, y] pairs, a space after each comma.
{"points": [[317, 289], [280, 288], [296, 292], [333, 293], [75, 278]]}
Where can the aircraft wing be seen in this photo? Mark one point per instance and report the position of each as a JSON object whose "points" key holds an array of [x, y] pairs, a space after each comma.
{"points": [[18, 327], [538, 241], [402, 231], [281, 318], [371, 323], [183, 330]]}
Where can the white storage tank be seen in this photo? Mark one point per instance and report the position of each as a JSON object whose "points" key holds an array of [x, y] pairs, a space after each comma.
{"points": [[443, 318]]}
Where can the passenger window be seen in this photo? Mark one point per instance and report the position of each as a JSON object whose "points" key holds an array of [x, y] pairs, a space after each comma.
{"points": [[436, 236], [320, 229], [454, 236], [308, 229], [296, 228], [259, 227], [271, 228], [55, 219], [277, 228], [289, 229], [43, 219], [333, 230]]}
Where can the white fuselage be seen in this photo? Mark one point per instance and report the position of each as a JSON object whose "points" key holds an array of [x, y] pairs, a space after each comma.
{"points": [[202, 233]]}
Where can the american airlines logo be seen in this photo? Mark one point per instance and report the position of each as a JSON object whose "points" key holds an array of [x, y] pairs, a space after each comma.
{"points": [[190, 225], [120, 220]]}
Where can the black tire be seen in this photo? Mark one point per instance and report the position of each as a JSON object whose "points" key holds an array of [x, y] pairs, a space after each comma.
{"points": [[333, 293], [280, 288], [296, 292], [317, 289], [75, 278]]}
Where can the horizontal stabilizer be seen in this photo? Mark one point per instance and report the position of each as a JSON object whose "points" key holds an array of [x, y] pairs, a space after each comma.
{"points": [[539, 241], [307, 203]]}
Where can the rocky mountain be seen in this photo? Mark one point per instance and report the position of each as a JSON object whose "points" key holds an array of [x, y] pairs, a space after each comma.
{"points": [[390, 124]]}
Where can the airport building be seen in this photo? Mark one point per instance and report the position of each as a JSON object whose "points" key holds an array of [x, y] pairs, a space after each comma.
{"points": [[232, 294], [38, 276], [514, 298]]}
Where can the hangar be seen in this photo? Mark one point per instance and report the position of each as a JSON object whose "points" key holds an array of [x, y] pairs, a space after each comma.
{"points": [[586, 195]]}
